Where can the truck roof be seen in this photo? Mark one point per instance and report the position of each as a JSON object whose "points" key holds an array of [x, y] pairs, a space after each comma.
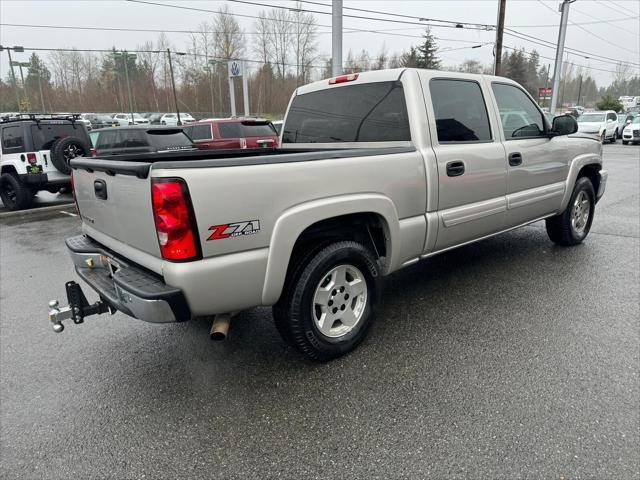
{"points": [[393, 74]]}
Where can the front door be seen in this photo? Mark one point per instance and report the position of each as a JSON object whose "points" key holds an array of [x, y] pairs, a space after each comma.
{"points": [[537, 165], [471, 162]]}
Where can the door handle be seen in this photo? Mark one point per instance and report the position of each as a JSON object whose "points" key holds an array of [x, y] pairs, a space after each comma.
{"points": [[515, 159], [100, 189], [455, 169]]}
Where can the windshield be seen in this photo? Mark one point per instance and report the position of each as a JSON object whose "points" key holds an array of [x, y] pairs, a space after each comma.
{"points": [[103, 118], [45, 134], [591, 117]]}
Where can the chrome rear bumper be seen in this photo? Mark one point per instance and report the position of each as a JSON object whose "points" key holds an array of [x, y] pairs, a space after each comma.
{"points": [[126, 287]]}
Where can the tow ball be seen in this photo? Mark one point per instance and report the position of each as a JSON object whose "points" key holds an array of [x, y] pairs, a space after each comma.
{"points": [[78, 307]]}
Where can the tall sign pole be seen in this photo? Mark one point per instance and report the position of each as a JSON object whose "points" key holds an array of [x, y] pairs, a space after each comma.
{"points": [[557, 68], [336, 38], [499, 34], [245, 91]]}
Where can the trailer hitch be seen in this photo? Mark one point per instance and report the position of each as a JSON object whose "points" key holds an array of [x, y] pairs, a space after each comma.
{"points": [[77, 309]]}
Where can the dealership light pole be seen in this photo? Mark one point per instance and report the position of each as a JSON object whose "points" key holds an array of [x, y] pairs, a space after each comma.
{"points": [[213, 63], [13, 73], [125, 57], [557, 69], [336, 38]]}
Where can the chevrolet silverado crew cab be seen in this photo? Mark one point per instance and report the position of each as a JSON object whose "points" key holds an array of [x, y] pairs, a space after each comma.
{"points": [[35, 151], [375, 171]]}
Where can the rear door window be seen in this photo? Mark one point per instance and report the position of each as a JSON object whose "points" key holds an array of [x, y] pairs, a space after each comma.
{"points": [[371, 112], [229, 130], [460, 111], [199, 132], [12, 141]]}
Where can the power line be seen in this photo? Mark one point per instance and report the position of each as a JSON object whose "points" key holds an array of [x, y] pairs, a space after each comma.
{"points": [[599, 21], [573, 51], [155, 30], [590, 33], [595, 22]]}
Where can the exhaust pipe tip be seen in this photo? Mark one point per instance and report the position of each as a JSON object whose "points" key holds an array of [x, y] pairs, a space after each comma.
{"points": [[220, 327]]}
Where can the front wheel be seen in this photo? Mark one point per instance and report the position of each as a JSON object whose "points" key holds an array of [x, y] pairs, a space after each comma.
{"points": [[572, 226], [614, 138], [326, 307]]}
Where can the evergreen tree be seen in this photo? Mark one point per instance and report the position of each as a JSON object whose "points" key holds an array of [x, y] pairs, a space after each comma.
{"points": [[409, 59], [427, 51]]}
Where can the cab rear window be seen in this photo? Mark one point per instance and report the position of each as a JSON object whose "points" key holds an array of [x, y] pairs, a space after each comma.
{"points": [[371, 112]]}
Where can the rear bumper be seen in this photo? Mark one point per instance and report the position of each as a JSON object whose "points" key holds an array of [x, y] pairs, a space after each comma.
{"points": [[43, 179], [126, 287]]}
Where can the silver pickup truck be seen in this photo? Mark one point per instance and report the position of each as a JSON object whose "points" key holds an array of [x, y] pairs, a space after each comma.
{"points": [[375, 171]]}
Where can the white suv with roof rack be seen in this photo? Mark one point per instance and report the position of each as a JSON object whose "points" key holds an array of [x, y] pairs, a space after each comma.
{"points": [[35, 151]]}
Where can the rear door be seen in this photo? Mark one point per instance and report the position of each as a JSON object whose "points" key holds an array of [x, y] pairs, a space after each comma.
{"points": [[470, 159], [537, 165]]}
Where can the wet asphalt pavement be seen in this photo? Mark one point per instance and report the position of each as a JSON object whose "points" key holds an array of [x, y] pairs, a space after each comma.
{"points": [[509, 358]]}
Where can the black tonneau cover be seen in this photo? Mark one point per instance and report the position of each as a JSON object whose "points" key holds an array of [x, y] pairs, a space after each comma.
{"points": [[139, 164]]}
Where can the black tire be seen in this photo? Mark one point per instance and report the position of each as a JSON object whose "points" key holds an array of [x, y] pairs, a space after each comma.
{"points": [[614, 138], [14, 194], [625, 142], [603, 137], [65, 149], [295, 316], [561, 229]]}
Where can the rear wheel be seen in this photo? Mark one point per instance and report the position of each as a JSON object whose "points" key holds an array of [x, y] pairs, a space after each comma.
{"points": [[572, 226], [14, 194], [326, 309]]}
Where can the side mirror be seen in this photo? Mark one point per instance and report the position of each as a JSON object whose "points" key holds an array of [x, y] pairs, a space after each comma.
{"points": [[564, 125], [628, 122]]}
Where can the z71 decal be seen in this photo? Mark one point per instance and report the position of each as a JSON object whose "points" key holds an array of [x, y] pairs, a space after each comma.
{"points": [[235, 229]]}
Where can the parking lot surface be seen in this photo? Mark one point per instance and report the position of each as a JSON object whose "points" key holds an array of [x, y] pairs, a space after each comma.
{"points": [[45, 199], [508, 358]]}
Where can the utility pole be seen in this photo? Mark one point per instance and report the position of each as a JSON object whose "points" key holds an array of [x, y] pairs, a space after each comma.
{"points": [[13, 73], [173, 86], [209, 68], [579, 91], [44, 109], [24, 87], [546, 82], [336, 38], [125, 59], [557, 69], [499, 33]]}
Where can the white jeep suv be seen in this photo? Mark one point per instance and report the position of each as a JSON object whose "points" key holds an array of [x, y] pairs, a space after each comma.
{"points": [[35, 152]]}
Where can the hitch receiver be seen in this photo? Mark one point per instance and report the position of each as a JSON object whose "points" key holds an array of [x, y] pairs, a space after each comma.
{"points": [[77, 309]]}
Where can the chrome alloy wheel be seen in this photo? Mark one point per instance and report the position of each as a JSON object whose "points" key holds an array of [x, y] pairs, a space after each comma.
{"points": [[339, 301], [73, 151], [580, 213]]}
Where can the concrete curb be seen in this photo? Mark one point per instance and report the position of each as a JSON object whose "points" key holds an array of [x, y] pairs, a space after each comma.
{"points": [[36, 211]]}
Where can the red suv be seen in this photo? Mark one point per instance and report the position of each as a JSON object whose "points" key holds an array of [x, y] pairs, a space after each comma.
{"points": [[233, 133]]}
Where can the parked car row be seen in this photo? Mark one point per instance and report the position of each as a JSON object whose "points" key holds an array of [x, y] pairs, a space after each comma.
{"points": [[100, 120], [607, 125]]}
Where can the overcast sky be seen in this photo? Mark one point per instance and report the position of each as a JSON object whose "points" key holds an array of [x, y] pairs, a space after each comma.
{"points": [[606, 28]]}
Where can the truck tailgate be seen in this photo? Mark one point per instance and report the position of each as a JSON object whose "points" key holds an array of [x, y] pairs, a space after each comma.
{"points": [[119, 207]]}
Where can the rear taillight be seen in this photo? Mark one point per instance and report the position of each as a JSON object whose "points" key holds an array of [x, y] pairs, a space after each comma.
{"points": [[175, 221], [31, 158], [93, 151], [243, 143], [343, 78]]}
